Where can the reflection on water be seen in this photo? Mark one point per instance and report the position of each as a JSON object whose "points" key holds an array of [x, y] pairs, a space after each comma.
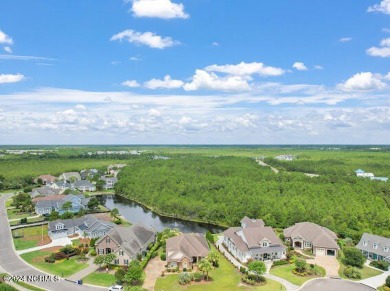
{"points": [[134, 213]]}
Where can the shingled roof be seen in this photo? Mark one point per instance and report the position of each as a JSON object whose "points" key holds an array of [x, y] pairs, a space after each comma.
{"points": [[248, 222], [319, 236], [186, 245], [368, 240]]}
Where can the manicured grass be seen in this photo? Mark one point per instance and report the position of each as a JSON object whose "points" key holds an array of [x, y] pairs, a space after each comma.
{"points": [[31, 237], [8, 202], [99, 279], [35, 219], [63, 268], [75, 242], [16, 214], [366, 272], [286, 273], [226, 277]]}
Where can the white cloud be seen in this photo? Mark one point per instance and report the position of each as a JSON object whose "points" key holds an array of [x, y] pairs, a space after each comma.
{"points": [[167, 83], [165, 9], [382, 51], [345, 39], [383, 7], [210, 81], [246, 69], [364, 81], [80, 107], [114, 63], [149, 39], [131, 83], [135, 59], [10, 78], [215, 43], [154, 112], [386, 30], [5, 39], [24, 58], [299, 66], [8, 49], [318, 67]]}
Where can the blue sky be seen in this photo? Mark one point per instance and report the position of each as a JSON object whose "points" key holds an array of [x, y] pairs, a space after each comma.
{"points": [[204, 71]]}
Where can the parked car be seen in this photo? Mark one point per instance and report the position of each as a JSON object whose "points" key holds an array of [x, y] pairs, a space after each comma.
{"points": [[116, 288]]}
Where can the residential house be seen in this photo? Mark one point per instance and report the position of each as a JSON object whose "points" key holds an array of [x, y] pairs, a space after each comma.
{"points": [[374, 247], [253, 241], [109, 182], [46, 179], [361, 173], [47, 206], [383, 179], [307, 235], [87, 226], [62, 185], [114, 169], [185, 250], [126, 242], [44, 191], [84, 174], [84, 185], [70, 177]]}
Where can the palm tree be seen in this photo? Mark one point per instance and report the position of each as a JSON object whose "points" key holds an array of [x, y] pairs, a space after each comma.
{"points": [[205, 266], [213, 257]]}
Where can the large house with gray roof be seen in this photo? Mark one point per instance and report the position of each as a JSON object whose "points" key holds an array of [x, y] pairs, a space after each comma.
{"points": [[87, 226], [374, 247], [185, 250], [84, 185], [307, 235], [253, 241], [79, 202], [44, 191], [70, 177], [126, 242]]}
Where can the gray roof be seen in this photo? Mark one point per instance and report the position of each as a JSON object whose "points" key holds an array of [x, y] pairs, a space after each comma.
{"points": [[132, 239], [62, 184], [186, 245], [319, 236], [252, 222], [86, 223], [69, 175], [113, 179], [45, 191], [381, 242], [83, 183], [248, 239]]}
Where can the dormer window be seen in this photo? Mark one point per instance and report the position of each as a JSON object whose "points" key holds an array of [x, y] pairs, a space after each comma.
{"points": [[375, 246], [264, 244], [364, 243], [386, 249]]}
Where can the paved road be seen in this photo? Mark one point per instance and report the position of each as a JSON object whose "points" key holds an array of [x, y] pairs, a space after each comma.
{"points": [[333, 285], [12, 264]]}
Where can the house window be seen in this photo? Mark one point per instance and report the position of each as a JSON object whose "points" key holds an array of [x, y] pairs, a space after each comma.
{"points": [[108, 240], [307, 244], [100, 251], [265, 244], [365, 243], [121, 253], [375, 246], [116, 262], [126, 262], [386, 249]]}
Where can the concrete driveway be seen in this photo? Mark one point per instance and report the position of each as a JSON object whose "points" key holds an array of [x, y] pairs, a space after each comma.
{"points": [[333, 285], [329, 263], [153, 271]]}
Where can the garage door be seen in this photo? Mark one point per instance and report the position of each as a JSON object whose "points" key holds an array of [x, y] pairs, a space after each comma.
{"points": [[320, 252]]}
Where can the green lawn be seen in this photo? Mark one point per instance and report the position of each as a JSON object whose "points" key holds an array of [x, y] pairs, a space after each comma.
{"points": [[63, 268], [16, 214], [366, 272], [8, 202], [285, 272], [226, 277], [31, 237], [35, 219], [99, 279]]}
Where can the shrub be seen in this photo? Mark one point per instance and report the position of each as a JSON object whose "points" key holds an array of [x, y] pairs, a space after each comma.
{"points": [[280, 263], [49, 259], [257, 278], [120, 275], [153, 254], [198, 277], [248, 281], [93, 253], [23, 220], [352, 273], [353, 257], [243, 270], [60, 256], [184, 278], [300, 265], [81, 245], [163, 256], [67, 249], [184, 269], [92, 242], [388, 281], [383, 265]]}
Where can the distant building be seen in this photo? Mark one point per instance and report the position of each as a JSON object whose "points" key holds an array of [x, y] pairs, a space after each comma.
{"points": [[109, 182], [44, 191], [384, 179], [46, 179], [84, 185], [47, 206], [70, 176], [285, 158], [361, 173]]}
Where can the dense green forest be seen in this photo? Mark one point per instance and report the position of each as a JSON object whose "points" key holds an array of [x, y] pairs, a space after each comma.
{"points": [[224, 189]]}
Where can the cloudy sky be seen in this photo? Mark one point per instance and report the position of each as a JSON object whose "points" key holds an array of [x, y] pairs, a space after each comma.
{"points": [[194, 72]]}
